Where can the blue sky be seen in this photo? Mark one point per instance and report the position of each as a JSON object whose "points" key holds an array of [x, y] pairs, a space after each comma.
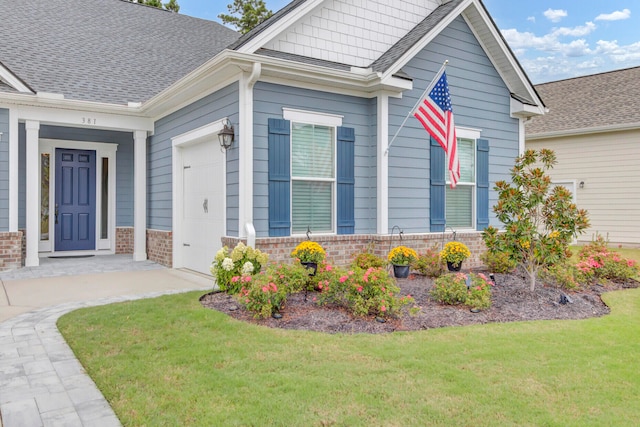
{"points": [[552, 39]]}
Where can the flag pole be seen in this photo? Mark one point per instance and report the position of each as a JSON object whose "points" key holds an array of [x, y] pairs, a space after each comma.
{"points": [[431, 85]]}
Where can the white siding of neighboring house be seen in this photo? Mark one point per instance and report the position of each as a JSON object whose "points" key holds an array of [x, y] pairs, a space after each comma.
{"points": [[609, 166]]}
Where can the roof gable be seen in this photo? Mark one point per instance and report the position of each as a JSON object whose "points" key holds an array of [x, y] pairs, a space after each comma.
{"points": [[382, 36], [351, 31]]}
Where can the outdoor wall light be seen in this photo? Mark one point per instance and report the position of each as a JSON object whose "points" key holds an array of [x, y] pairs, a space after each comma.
{"points": [[581, 184], [226, 135]]}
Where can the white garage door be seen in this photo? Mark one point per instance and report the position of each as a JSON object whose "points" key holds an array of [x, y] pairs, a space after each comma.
{"points": [[203, 204]]}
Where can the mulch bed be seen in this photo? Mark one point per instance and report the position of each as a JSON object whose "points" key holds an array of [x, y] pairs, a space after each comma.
{"points": [[511, 301]]}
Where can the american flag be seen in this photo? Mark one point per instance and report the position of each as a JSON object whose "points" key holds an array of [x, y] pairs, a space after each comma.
{"points": [[436, 115]]}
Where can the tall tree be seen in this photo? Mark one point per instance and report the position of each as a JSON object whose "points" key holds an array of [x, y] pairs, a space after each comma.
{"points": [[246, 14], [172, 5]]}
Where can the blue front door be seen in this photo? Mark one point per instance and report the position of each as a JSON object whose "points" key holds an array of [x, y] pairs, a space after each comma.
{"points": [[75, 204]]}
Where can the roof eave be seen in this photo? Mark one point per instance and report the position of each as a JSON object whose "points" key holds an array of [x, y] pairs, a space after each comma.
{"points": [[583, 131], [228, 66]]}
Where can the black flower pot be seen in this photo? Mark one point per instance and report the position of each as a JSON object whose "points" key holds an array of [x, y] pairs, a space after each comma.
{"points": [[401, 271], [452, 267], [311, 266]]}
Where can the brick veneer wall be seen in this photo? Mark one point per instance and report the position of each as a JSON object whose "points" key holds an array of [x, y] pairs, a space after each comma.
{"points": [[124, 240], [340, 249], [160, 247], [11, 250]]}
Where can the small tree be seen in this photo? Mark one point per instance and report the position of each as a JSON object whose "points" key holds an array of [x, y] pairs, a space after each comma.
{"points": [[246, 14], [539, 222]]}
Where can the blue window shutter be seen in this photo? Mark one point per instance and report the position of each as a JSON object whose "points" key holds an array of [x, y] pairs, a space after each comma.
{"points": [[346, 180], [482, 208], [437, 187], [279, 178]]}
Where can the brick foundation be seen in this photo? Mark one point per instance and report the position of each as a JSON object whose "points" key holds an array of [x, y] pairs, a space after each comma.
{"points": [[11, 252], [124, 240], [160, 247], [341, 249]]}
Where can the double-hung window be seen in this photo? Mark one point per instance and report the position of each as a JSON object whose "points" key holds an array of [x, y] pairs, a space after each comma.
{"points": [[460, 201], [313, 177]]}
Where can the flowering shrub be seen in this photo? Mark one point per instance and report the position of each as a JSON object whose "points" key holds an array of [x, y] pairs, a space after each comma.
{"points": [[607, 266], [401, 255], [452, 289], [455, 252], [428, 263], [242, 260], [261, 295], [363, 292], [309, 251]]}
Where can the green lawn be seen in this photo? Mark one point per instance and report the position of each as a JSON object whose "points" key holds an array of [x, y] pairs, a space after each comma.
{"points": [[168, 361]]}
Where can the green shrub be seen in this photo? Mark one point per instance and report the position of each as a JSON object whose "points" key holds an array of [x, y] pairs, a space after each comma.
{"points": [[429, 263], [452, 289], [365, 260], [498, 262], [563, 275]]}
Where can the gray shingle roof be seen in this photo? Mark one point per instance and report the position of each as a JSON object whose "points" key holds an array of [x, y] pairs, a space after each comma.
{"points": [[606, 99], [110, 51]]}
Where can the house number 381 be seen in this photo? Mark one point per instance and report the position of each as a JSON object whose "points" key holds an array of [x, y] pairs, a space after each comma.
{"points": [[88, 121]]}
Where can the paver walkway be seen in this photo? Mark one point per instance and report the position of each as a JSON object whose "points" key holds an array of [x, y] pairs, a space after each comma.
{"points": [[41, 381]]}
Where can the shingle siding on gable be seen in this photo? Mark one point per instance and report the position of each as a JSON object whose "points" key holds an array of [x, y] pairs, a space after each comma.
{"points": [[268, 102], [223, 103], [480, 100], [353, 31], [4, 169]]}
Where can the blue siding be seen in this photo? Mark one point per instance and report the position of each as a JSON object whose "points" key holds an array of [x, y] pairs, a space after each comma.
{"points": [[223, 103], [4, 169], [269, 99], [480, 100]]}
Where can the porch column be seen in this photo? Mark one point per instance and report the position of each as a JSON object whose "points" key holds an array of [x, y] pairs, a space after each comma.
{"points": [[382, 165], [33, 185], [140, 195]]}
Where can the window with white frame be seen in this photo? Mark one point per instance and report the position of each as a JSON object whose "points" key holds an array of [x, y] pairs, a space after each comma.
{"points": [[460, 201], [313, 173]]}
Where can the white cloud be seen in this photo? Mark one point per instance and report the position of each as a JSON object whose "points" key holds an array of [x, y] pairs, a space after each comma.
{"points": [[579, 31], [555, 15], [531, 19], [614, 16]]}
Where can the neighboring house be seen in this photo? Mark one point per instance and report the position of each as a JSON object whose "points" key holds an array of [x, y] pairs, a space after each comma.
{"points": [[110, 114], [593, 125]]}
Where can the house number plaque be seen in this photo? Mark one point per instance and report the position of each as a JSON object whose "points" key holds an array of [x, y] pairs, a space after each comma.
{"points": [[89, 120]]}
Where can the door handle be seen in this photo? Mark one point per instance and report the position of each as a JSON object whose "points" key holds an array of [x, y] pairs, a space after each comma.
{"points": [[56, 214], [205, 205]]}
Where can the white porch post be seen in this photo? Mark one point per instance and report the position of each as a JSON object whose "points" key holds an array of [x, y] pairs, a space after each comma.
{"points": [[140, 196], [382, 169], [33, 190], [13, 171]]}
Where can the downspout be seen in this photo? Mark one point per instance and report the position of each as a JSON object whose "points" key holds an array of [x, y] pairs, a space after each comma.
{"points": [[245, 154]]}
